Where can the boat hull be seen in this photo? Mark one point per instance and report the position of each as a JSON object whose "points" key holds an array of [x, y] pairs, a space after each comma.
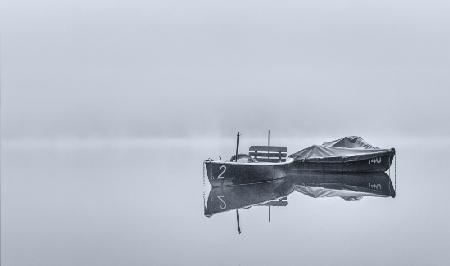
{"points": [[231, 173], [379, 163], [234, 173]]}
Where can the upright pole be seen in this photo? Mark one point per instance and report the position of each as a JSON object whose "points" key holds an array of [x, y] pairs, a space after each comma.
{"points": [[237, 146], [268, 144], [269, 213], [237, 217]]}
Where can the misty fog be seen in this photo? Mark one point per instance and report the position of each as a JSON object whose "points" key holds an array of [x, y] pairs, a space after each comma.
{"points": [[196, 68]]}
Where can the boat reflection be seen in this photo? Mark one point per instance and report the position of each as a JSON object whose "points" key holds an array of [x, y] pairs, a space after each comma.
{"points": [[225, 198], [347, 186]]}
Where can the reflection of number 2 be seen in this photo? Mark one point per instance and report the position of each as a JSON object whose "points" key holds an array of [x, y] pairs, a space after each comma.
{"points": [[223, 168], [223, 204]]}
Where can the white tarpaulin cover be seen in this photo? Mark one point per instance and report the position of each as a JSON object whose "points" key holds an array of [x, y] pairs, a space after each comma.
{"points": [[349, 142], [344, 149]]}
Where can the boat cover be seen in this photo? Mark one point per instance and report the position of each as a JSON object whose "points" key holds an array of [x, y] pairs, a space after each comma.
{"points": [[349, 142], [344, 149]]}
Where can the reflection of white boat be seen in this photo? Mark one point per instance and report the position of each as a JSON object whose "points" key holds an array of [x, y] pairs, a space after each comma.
{"points": [[343, 185], [319, 192]]}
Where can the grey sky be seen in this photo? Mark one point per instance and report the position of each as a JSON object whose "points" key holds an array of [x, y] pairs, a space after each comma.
{"points": [[152, 68]]}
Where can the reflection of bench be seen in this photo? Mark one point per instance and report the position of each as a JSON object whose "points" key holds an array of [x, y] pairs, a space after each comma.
{"points": [[268, 153], [280, 202]]}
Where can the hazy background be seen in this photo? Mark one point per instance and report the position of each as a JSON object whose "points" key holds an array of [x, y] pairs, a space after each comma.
{"points": [[111, 69], [98, 99]]}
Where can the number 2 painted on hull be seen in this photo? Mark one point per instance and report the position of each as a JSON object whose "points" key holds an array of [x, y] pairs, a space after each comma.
{"points": [[223, 168]]}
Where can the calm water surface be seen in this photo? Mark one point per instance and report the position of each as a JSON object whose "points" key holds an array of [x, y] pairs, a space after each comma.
{"points": [[141, 202]]}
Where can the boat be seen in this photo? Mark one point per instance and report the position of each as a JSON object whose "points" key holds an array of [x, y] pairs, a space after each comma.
{"points": [[348, 155], [267, 163]]}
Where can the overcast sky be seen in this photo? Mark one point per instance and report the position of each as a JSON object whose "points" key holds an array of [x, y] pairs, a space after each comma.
{"points": [[175, 68]]}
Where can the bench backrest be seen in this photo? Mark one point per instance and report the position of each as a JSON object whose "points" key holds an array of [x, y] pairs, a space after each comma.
{"points": [[268, 153]]}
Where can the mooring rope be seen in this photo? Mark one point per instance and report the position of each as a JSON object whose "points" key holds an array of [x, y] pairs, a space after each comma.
{"points": [[395, 169], [203, 166], [204, 188], [204, 202]]}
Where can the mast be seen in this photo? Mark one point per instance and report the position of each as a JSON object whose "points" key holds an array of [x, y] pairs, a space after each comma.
{"points": [[237, 146], [237, 152], [268, 148], [268, 144]]}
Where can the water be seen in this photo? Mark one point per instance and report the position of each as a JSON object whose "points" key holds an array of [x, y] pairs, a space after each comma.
{"points": [[140, 202]]}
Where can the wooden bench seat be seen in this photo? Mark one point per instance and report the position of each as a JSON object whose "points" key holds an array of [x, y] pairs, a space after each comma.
{"points": [[268, 153]]}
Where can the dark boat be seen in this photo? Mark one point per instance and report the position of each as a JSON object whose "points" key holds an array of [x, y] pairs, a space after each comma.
{"points": [[349, 186], [348, 154], [267, 163], [234, 173]]}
